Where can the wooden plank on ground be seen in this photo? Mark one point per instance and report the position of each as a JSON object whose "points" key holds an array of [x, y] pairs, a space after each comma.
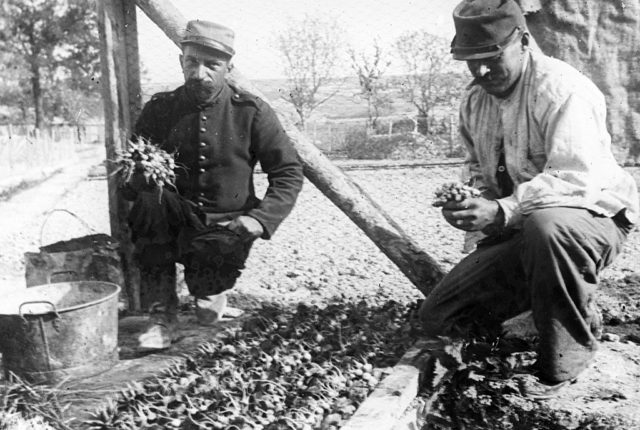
{"points": [[386, 404]]}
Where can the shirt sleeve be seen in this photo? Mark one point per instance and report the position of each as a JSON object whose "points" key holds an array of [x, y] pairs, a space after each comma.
{"points": [[281, 163], [576, 142]]}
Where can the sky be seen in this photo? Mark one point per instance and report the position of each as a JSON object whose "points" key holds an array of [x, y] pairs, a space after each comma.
{"points": [[257, 22]]}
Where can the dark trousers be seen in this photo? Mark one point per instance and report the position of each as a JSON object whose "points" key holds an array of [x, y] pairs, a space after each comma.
{"points": [[550, 266], [168, 229]]}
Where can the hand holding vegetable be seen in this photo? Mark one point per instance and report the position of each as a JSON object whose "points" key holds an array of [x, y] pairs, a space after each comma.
{"points": [[473, 214], [464, 208], [145, 165]]}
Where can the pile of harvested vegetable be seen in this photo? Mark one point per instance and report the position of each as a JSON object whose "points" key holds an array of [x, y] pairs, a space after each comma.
{"points": [[303, 369]]}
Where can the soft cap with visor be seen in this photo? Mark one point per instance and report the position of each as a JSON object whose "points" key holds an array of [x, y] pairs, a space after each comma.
{"points": [[485, 27], [211, 35]]}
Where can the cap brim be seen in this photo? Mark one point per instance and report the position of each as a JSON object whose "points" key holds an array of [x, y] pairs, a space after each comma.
{"points": [[209, 44], [480, 53], [475, 55]]}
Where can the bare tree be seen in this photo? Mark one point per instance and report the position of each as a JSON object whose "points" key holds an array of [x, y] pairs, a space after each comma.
{"points": [[310, 48], [433, 77], [369, 67]]}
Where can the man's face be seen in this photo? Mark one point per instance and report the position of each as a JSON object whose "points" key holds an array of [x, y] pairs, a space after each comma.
{"points": [[498, 75], [204, 70]]}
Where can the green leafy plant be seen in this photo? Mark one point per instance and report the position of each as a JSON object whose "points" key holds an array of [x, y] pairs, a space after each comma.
{"points": [[25, 406], [300, 370]]}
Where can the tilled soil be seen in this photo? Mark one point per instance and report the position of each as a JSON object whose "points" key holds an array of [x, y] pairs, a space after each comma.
{"points": [[317, 253]]}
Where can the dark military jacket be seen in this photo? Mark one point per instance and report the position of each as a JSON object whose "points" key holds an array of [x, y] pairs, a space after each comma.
{"points": [[217, 146]]}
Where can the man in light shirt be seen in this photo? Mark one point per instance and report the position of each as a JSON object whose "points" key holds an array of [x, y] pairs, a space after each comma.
{"points": [[555, 208]]}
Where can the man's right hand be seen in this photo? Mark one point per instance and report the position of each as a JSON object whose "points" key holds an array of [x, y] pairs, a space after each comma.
{"points": [[473, 214]]}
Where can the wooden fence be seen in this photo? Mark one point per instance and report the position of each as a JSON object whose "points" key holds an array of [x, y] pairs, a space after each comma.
{"points": [[333, 135], [22, 148]]}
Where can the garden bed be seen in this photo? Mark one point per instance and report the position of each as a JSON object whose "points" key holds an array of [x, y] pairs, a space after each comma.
{"points": [[276, 368], [349, 365]]}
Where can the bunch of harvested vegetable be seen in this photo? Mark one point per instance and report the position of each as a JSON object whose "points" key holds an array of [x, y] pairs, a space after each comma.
{"points": [[156, 165], [454, 192]]}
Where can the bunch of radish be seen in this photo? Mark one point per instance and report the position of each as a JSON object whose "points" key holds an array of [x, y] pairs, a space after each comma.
{"points": [[454, 192], [142, 157]]}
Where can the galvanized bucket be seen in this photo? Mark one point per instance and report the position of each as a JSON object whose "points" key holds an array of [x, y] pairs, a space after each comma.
{"points": [[53, 332]]}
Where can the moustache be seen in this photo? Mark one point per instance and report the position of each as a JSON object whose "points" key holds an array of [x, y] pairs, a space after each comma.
{"points": [[486, 79], [201, 89]]}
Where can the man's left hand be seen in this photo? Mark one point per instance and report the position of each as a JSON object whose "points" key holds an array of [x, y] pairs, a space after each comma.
{"points": [[246, 227], [472, 214]]}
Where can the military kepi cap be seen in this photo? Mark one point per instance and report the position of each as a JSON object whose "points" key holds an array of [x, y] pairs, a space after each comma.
{"points": [[211, 35], [485, 27]]}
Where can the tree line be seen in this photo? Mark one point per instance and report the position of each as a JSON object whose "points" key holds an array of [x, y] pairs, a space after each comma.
{"points": [[311, 50], [50, 64], [49, 61]]}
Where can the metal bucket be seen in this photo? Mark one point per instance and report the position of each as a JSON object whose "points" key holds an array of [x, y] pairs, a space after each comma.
{"points": [[66, 330]]}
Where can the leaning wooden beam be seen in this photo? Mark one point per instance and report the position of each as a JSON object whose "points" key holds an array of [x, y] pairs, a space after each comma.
{"points": [[422, 270]]}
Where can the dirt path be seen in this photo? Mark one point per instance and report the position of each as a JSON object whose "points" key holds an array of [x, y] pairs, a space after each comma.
{"points": [[23, 216]]}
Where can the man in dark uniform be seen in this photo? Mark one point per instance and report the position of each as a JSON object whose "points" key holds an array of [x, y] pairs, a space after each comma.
{"points": [[218, 134]]}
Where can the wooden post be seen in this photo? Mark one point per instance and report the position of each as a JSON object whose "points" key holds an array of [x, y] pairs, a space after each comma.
{"points": [[422, 270], [121, 96], [452, 134]]}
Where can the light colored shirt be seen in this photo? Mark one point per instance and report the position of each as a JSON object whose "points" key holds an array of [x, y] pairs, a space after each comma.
{"points": [[557, 148]]}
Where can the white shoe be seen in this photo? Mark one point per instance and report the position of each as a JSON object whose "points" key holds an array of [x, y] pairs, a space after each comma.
{"points": [[209, 310], [160, 330], [158, 335]]}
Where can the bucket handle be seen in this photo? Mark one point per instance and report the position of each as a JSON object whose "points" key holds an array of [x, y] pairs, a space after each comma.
{"points": [[56, 321], [33, 302], [48, 214]]}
